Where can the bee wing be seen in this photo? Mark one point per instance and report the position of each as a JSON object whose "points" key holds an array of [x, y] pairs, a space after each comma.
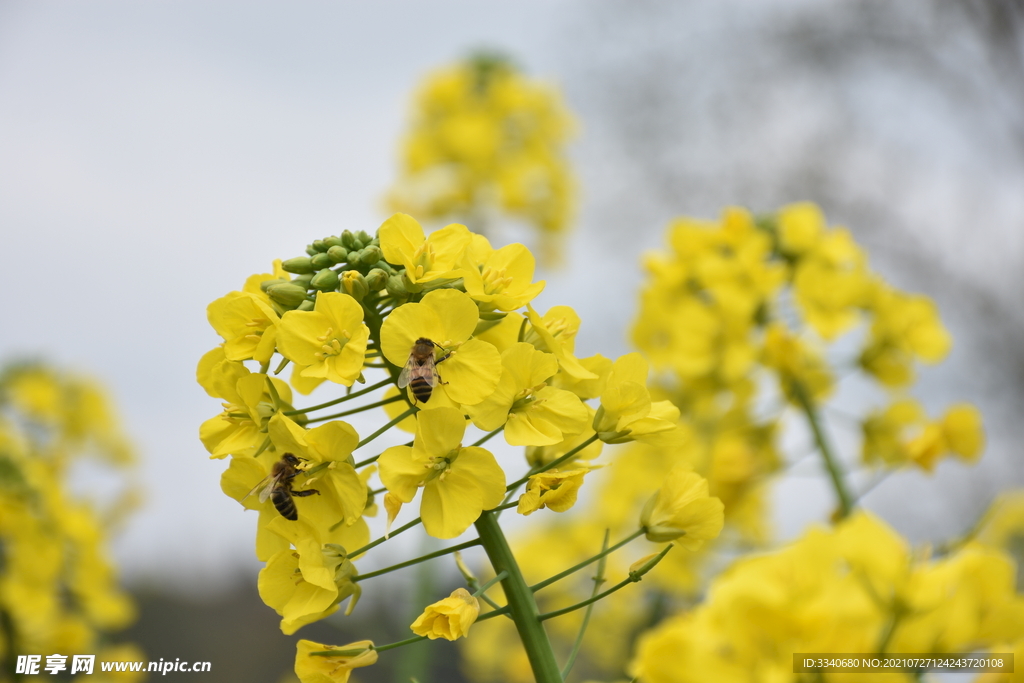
{"points": [[267, 485], [426, 371], [405, 376]]}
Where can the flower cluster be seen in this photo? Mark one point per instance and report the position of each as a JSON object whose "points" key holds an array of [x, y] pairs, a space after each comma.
{"points": [[58, 587], [447, 323], [853, 588], [486, 139]]}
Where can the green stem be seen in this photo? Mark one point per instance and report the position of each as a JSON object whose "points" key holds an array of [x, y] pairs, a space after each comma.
{"points": [[831, 463], [346, 397], [633, 577], [346, 413], [422, 558], [520, 601], [598, 580], [486, 437], [383, 429], [552, 464], [400, 643], [374, 544], [571, 570], [479, 592]]}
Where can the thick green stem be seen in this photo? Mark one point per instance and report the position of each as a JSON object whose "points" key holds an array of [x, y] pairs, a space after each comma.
{"points": [[831, 463], [521, 604]]}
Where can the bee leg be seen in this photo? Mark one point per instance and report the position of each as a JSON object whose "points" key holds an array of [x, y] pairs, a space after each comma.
{"points": [[306, 492]]}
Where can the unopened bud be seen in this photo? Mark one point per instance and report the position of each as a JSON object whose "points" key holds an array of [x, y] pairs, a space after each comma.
{"points": [[348, 240], [364, 237], [299, 264], [332, 242], [337, 253], [371, 255], [302, 280], [396, 287], [306, 305], [326, 280], [311, 251], [321, 261], [319, 245], [267, 284], [287, 295], [376, 279], [354, 284]]}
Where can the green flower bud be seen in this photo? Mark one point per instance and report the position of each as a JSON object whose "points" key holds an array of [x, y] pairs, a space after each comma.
{"points": [[337, 253], [396, 286], [326, 280], [267, 284], [321, 261], [302, 280], [319, 245], [354, 284], [299, 264], [376, 279], [363, 237], [306, 305], [311, 251], [371, 255], [287, 295], [332, 242], [348, 240], [354, 256]]}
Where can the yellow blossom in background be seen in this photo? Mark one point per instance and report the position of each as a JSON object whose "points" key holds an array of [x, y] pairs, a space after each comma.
{"points": [[830, 591], [59, 588], [450, 618], [682, 511], [485, 141]]}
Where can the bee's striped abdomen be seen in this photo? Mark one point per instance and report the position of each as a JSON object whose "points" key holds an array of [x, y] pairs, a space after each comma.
{"points": [[421, 389], [282, 499]]}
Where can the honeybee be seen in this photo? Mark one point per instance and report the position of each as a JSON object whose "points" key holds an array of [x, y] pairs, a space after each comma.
{"points": [[420, 373], [277, 486]]}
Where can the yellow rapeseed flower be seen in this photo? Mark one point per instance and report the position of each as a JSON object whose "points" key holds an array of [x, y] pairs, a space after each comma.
{"points": [[458, 482], [682, 511], [424, 258], [334, 668], [447, 317], [329, 341], [450, 618], [534, 414]]}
